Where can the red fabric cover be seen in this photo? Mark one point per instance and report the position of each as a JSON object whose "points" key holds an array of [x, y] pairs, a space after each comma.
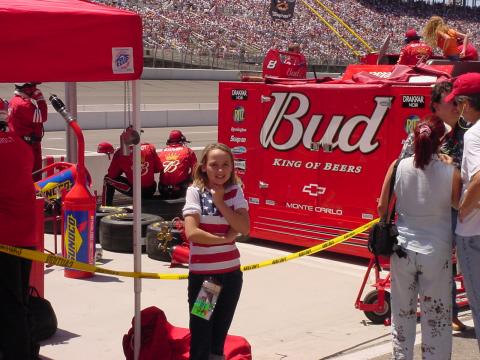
{"points": [[163, 341], [66, 40], [17, 208], [399, 74]]}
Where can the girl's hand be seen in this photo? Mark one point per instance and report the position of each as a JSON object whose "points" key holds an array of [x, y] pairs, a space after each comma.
{"points": [[217, 192], [231, 235]]}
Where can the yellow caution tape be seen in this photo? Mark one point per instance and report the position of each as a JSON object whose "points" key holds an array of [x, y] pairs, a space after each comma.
{"points": [[77, 265], [313, 249]]}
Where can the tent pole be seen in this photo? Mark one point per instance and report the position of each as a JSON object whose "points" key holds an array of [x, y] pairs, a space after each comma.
{"points": [[137, 211], [71, 105]]}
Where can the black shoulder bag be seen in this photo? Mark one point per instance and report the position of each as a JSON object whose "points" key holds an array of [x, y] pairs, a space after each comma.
{"points": [[382, 239]]}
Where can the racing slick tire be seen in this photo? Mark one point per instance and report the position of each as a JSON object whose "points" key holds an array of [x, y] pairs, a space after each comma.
{"points": [[103, 211], [167, 209], [378, 317], [243, 239], [116, 231], [159, 246]]}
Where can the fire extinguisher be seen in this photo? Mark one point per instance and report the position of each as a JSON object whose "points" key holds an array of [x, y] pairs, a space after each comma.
{"points": [[79, 206]]}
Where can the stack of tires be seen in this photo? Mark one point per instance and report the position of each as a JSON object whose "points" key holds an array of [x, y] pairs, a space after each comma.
{"points": [[116, 231]]}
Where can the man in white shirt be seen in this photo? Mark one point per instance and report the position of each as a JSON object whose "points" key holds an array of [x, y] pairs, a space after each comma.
{"points": [[466, 94]]}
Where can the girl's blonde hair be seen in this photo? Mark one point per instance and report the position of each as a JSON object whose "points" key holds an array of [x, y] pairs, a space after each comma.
{"points": [[200, 178], [431, 29]]}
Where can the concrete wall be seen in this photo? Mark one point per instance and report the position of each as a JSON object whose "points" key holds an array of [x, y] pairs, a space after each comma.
{"points": [[97, 165], [111, 117]]}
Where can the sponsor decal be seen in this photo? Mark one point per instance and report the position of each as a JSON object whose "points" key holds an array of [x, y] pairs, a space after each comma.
{"points": [[381, 74], [311, 165], [413, 101], [410, 123], [238, 150], [270, 202], [282, 9], [338, 132], [240, 94], [367, 216], [238, 129], [122, 60], [240, 164], [254, 200], [314, 189], [238, 114], [237, 139], [317, 209]]}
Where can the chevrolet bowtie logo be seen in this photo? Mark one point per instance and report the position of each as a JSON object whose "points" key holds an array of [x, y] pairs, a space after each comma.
{"points": [[314, 189]]}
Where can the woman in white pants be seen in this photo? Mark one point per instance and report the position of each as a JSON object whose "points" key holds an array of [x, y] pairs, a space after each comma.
{"points": [[426, 189]]}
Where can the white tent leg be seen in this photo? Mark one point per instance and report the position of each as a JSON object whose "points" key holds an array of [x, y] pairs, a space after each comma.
{"points": [[71, 105], [137, 210]]}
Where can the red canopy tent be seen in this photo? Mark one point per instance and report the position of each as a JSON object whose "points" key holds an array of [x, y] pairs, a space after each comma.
{"points": [[68, 40], [72, 41]]}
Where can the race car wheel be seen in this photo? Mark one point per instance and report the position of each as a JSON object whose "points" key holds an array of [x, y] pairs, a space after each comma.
{"points": [[377, 317], [103, 211], [243, 239], [166, 209], [116, 231], [161, 237]]}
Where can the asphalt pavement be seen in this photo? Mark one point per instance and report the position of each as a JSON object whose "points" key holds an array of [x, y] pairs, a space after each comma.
{"points": [[303, 309]]}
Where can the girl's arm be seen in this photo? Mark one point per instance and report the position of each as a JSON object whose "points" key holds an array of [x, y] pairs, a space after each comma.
{"points": [[199, 236], [382, 208], [456, 188], [465, 38]]}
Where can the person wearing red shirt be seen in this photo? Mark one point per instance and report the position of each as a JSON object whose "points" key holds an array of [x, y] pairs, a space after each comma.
{"points": [[178, 162], [122, 164], [17, 224], [26, 114], [414, 51]]}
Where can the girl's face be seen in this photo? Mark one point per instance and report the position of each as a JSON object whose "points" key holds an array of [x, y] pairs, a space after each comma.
{"points": [[218, 167]]}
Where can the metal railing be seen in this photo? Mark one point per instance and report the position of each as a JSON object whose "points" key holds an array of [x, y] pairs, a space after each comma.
{"points": [[209, 59]]}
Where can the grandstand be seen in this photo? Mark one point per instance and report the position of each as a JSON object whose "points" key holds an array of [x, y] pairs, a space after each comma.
{"points": [[236, 34]]}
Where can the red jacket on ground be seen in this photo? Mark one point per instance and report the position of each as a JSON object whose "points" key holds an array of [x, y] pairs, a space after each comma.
{"points": [[178, 164], [123, 164], [17, 192], [414, 52]]}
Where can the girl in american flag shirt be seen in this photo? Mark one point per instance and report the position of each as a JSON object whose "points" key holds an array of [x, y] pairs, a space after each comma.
{"points": [[215, 213]]}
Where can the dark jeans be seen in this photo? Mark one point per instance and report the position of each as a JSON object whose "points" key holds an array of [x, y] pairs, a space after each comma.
{"points": [[455, 308], [16, 341], [208, 336]]}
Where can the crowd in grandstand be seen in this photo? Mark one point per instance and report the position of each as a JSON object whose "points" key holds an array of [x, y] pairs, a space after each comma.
{"points": [[225, 27]]}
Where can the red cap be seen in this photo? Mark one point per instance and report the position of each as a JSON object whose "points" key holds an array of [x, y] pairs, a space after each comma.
{"points": [[411, 33], [176, 136], [465, 84]]}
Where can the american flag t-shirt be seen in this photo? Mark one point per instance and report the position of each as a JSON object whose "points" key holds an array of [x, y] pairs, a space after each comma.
{"points": [[213, 258]]}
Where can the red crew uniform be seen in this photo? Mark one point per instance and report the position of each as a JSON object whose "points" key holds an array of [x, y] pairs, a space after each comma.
{"points": [[122, 164], [17, 224], [178, 162], [415, 52], [26, 115]]}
